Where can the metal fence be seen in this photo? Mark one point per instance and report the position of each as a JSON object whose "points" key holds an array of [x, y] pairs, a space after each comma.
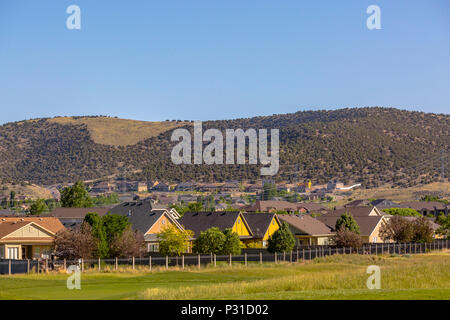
{"points": [[199, 261]]}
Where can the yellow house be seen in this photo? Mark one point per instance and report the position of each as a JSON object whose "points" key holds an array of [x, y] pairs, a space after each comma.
{"points": [[264, 226], [28, 237], [201, 221]]}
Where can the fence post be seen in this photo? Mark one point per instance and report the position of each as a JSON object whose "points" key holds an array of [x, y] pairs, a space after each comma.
{"points": [[117, 264], [46, 265], [290, 258], [182, 261], [167, 262], [199, 261], [99, 265], [410, 247], [316, 253], [150, 263], [38, 265], [309, 254], [329, 251], [231, 260], [297, 256], [275, 258], [303, 254], [260, 257], [350, 250], [9, 267], [133, 263], [215, 260], [284, 256], [28, 265], [245, 258]]}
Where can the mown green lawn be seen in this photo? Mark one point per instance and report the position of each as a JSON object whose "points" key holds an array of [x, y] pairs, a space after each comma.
{"points": [[337, 277]]}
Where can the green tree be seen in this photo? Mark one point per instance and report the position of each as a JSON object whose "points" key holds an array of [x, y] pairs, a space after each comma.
{"points": [[282, 240], [99, 233], [347, 222], [232, 243], [12, 197], [269, 191], [210, 241], [405, 212], [423, 232], [173, 241], [38, 207], [444, 222], [398, 229], [114, 225], [195, 207], [76, 196]]}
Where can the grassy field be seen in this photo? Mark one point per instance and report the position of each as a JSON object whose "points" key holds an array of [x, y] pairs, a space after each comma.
{"points": [[110, 131], [335, 277]]}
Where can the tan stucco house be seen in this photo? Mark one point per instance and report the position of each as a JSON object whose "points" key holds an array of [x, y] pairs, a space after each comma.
{"points": [[27, 237]]}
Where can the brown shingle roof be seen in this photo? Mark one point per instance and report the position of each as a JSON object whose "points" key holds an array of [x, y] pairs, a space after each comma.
{"points": [[366, 224], [268, 205], [354, 211], [427, 205], [306, 224], [8, 225], [76, 213]]}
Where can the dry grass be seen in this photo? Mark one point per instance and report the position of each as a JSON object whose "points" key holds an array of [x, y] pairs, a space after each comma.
{"points": [[120, 132], [404, 194], [332, 273]]}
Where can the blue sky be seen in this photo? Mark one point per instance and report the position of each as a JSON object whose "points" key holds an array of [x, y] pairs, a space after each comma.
{"points": [[190, 59]]}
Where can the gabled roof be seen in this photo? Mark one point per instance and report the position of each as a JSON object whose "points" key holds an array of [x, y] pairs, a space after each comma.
{"points": [[306, 224], [356, 212], [386, 203], [424, 205], [201, 221], [75, 213], [8, 225], [268, 205], [367, 224], [141, 214], [259, 222]]}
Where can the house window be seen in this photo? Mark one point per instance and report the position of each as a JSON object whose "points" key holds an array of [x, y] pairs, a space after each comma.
{"points": [[2, 252], [153, 247], [13, 253]]}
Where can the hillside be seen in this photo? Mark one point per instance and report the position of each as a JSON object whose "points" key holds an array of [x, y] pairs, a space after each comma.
{"points": [[374, 146]]}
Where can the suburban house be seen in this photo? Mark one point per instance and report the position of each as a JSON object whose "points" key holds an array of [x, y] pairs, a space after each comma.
{"points": [[201, 221], [428, 207], [161, 187], [148, 220], [308, 230], [385, 204], [73, 217], [369, 220], [289, 207], [185, 186], [27, 237], [263, 226], [357, 203]]}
